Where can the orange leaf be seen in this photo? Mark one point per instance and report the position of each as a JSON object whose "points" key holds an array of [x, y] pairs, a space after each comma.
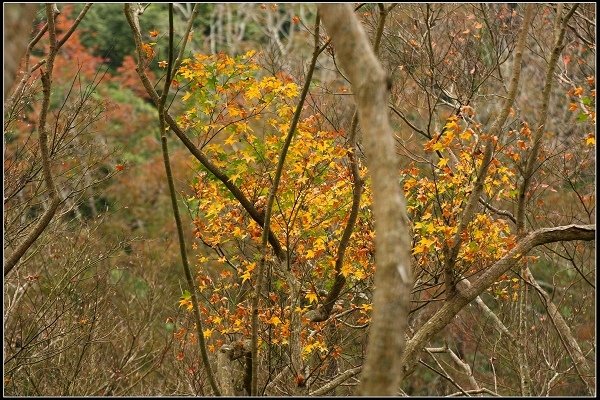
{"points": [[311, 297], [590, 80], [154, 33], [590, 140], [148, 50]]}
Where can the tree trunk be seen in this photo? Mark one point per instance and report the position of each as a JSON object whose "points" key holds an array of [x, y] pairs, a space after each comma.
{"points": [[393, 278]]}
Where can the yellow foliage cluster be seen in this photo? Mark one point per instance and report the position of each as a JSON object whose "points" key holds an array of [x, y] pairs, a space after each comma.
{"points": [[242, 119], [436, 202]]}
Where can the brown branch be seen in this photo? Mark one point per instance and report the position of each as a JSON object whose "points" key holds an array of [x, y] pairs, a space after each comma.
{"points": [[452, 307], [196, 152], [464, 284], [186, 35], [18, 20], [335, 382], [74, 25], [413, 127], [27, 70], [132, 17], [475, 391], [585, 373], [49, 213], [443, 374], [521, 349], [322, 313], [504, 213], [462, 368]]}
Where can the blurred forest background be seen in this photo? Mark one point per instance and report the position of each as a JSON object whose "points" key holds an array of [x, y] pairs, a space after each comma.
{"points": [[98, 302]]}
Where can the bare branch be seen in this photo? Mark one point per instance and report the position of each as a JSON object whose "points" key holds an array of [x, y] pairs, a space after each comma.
{"points": [[445, 314], [585, 373], [504, 213], [335, 382]]}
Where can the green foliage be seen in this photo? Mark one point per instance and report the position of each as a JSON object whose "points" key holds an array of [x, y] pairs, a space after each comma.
{"points": [[105, 31]]}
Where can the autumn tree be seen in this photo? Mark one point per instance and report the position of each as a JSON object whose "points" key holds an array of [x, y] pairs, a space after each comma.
{"points": [[467, 183], [311, 200]]}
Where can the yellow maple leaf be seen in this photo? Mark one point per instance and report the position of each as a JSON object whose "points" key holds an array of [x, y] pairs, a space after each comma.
{"points": [[437, 147], [466, 135], [234, 111], [452, 125], [319, 244], [253, 92], [590, 140], [359, 274], [311, 297], [245, 276], [248, 157], [186, 303], [234, 177], [425, 242], [291, 90], [238, 233], [306, 350], [346, 269]]}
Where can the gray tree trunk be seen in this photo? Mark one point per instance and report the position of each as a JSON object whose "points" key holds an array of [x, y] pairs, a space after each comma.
{"points": [[393, 278]]}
